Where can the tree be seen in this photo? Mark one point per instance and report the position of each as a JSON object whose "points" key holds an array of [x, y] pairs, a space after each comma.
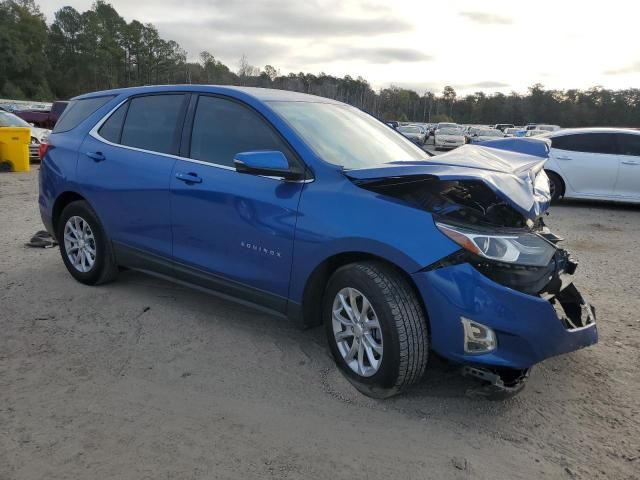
{"points": [[97, 49], [23, 61], [449, 95]]}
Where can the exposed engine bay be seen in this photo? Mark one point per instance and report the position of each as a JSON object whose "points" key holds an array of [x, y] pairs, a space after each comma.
{"points": [[466, 201], [472, 202]]}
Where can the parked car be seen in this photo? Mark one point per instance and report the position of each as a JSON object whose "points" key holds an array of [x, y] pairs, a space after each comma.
{"points": [[595, 163], [324, 215], [8, 119], [511, 132], [43, 118], [414, 133], [484, 134], [448, 137], [503, 126], [548, 128], [535, 132]]}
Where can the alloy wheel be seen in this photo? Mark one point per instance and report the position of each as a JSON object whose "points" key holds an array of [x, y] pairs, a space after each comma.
{"points": [[79, 244], [357, 332]]}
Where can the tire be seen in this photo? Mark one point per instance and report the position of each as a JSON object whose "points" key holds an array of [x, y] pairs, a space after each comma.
{"points": [[402, 335], [103, 269], [556, 185]]}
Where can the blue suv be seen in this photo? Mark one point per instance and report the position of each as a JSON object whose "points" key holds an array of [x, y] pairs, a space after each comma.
{"points": [[311, 209]]}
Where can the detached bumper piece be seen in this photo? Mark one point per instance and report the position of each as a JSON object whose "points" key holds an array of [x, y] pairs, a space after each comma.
{"points": [[499, 383], [572, 310]]}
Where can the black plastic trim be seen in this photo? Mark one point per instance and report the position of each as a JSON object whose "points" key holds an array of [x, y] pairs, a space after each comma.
{"points": [[176, 272]]}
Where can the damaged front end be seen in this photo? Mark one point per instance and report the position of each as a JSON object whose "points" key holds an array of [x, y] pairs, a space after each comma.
{"points": [[510, 277]]}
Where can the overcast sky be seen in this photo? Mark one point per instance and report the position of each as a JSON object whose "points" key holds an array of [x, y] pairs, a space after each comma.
{"points": [[490, 45]]}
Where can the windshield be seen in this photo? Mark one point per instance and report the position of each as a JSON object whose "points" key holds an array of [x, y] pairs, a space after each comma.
{"points": [[449, 131], [409, 129], [490, 133], [345, 136], [10, 120]]}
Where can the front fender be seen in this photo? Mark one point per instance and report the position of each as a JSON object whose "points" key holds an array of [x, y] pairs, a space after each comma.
{"points": [[337, 217]]}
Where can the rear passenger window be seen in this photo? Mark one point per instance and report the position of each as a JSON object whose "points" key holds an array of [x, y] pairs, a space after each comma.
{"points": [[111, 129], [151, 122], [629, 144], [222, 128], [604, 143], [77, 111]]}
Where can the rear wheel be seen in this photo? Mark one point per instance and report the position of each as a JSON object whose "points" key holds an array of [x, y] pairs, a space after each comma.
{"points": [[556, 186], [86, 251], [376, 328]]}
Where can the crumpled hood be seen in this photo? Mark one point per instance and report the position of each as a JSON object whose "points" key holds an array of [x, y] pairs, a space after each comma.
{"points": [[517, 178]]}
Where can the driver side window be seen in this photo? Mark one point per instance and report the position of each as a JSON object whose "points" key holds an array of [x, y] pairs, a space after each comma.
{"points": [[222, 128]]}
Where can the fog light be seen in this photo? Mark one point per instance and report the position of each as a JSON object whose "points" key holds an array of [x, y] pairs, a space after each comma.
{"points": [[478, 338]]}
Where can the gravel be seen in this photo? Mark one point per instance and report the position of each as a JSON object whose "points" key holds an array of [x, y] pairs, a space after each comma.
{"points": [[143, 379]]}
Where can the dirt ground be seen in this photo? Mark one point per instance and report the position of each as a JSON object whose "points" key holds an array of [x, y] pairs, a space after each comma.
{"points": [[143, 379]]}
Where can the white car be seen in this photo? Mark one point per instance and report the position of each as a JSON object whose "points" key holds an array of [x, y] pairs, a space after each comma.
{"points": [[595, 163], [511, 132], [415, 133], [448, 136], [483, 134], [37, 134]]}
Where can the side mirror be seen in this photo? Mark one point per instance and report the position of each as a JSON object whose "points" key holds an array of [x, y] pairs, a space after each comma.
{"points": [[267, 163]]}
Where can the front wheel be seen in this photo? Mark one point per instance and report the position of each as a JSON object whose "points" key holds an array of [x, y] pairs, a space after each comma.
{"points": [[376, 328]]}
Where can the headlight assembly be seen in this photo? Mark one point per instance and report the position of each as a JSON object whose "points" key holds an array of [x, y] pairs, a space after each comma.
{"points": [[517, 248]]}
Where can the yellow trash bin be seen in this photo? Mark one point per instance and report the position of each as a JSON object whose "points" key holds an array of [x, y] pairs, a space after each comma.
{"points": [[14, 147]]}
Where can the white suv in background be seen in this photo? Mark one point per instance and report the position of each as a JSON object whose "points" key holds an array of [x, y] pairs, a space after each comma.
{"points": [[595, 163]]}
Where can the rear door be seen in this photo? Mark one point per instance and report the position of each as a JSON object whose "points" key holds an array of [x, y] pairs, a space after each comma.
{"points": [[628, 184], [125, 168], [587, 161], [232, 231]]}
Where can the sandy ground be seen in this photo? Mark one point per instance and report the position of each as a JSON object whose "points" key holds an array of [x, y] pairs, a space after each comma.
{"points": [[142, 379]]}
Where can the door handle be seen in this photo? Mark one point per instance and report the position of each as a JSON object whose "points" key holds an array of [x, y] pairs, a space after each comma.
{"points": [[630, 162], [564, 158], [188, 177], [96, 156]]}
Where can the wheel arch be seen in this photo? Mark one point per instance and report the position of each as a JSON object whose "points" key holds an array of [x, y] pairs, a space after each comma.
{"points": [[310, 315], [559, 175], [64, 199]]}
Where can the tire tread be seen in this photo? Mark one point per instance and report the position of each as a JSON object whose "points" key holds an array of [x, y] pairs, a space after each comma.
{"points": [[410, 321]]}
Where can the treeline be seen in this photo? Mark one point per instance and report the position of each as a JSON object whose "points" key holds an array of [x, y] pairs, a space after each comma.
{"points": [[97, 49]]}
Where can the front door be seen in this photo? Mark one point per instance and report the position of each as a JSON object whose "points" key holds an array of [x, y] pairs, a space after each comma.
{"points": [[232, 231], [588, 161]]}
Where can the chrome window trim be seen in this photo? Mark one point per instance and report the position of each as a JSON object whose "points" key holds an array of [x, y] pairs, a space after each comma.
{"points": [[94, 133]]}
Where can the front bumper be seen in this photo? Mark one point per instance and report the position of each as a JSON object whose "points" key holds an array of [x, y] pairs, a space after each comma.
{"points": [[528, 328], [445, 144]]}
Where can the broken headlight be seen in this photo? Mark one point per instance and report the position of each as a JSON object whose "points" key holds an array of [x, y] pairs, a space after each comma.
{"points": [[518, 248]]}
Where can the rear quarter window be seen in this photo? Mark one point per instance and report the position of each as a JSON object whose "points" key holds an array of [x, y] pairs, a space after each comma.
{"points": [[77, 111]]}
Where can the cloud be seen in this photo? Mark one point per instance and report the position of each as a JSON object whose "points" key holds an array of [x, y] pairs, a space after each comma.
{"points": [[486, 18], [484, 84], [292, 19], [286, 31], [633, 68], [376, 55]]}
